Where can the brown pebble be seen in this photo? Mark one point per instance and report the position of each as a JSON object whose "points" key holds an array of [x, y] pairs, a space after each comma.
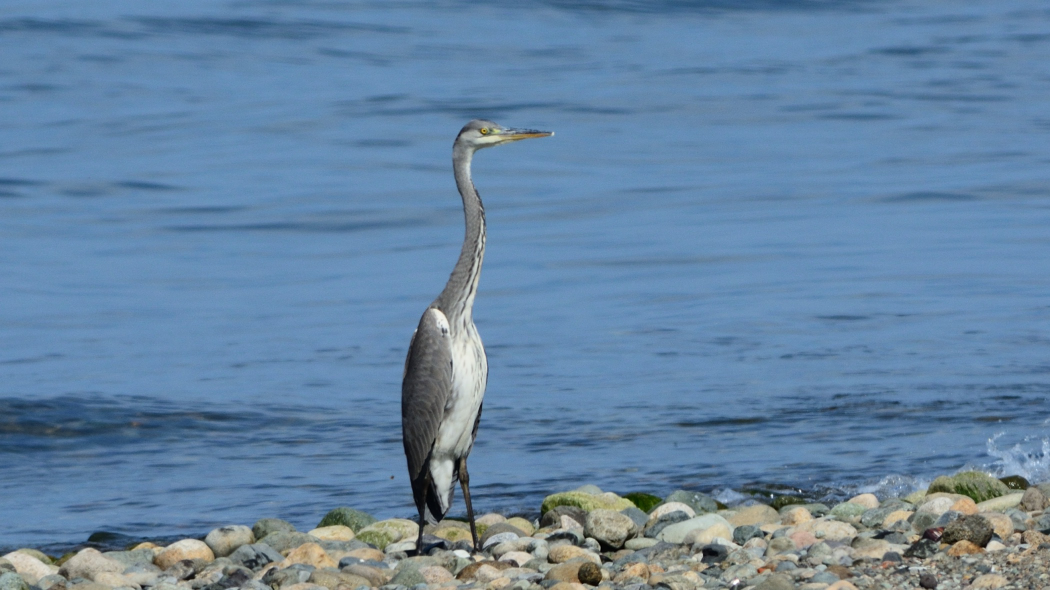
{"points": [[841, 571], [964, 547], [590, 573], [468, 572]]}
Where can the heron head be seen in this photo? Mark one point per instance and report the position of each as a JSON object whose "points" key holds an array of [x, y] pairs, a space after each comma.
{"points": [[480, 133]]}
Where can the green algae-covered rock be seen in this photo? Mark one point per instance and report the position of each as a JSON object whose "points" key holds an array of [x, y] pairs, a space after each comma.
{"points": [[588, 502], [1016, 482], [848, 511], [644, 502], [379, 539], [781, 501], [346, 516], [915, 497], [978, 486]]}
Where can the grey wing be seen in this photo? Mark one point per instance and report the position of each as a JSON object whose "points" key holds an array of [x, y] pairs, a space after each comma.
{"points": [[425, 389]]}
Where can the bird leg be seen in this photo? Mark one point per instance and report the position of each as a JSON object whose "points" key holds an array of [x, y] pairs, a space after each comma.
{"points": [[422, 512], [464, 480]]}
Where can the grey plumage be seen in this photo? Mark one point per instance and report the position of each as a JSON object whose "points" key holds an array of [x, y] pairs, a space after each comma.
{"points": [[446, 370]]}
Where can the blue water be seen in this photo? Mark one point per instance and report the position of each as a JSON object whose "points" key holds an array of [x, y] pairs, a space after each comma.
{"points": [[773, 243]]}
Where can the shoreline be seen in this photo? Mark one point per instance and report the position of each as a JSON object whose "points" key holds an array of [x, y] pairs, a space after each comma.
{"points": [[967, 530]]}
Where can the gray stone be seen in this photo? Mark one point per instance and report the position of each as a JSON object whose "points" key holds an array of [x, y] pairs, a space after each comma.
{"points": [[921, 521], [346, 516], [779, 545], [286, 540], [609, 528], [88, 563], [288, 576], [817, 552], [697, 501], [344, 546], [12, 581], [499, 529], [139, 557], [226, 539], [654, 529], [553, 516], [636, 515], [777, 582], [493, 540], [52, 582], [947, 518], [640, 543], [408, 575], [742, 572], [1033, 500], [816, 509], [6, 566], [266, 526], [742, 534], [786, 566], [1043, 522], [824, 577], [873, 518], [255, 556], [922, 549]]}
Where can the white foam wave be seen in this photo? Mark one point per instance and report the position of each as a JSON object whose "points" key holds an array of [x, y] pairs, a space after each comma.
{"points": [[1022, 458]]}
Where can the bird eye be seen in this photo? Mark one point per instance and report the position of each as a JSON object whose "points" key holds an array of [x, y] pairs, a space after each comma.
{"points": [[484, 130]]}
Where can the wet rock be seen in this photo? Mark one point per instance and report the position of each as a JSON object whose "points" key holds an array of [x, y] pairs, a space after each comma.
{"points": [[978, 486], [87, 563], [972, 528], [927, 580], [946, 519], [255, 556], [265, 526], [225, 540]]}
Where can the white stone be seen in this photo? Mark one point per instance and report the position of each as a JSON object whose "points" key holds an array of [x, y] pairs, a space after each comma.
{"points": [[868, 501], [88, 563], [30, 568], [226, 539], [937, 506], [670, 507], [676, 532]]}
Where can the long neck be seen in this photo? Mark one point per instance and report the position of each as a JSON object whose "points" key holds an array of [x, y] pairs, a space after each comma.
{"points": [[457, 299]]}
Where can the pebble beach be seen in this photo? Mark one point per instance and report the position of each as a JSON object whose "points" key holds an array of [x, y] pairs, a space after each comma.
{"points": [[969, 530]]}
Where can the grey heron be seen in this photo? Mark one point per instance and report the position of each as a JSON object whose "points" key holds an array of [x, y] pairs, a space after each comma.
{"points": [[446, 370]]}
